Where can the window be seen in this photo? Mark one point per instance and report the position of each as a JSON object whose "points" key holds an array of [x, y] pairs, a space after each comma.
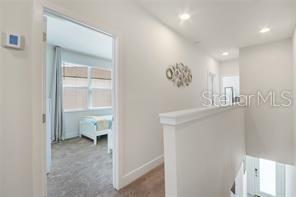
{"points": [[86, 87], [101, 87], [267, 177]]}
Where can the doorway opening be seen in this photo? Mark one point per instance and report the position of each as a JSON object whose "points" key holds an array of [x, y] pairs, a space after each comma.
{"points": [[80, 108], [264, 178], [229, 81]]}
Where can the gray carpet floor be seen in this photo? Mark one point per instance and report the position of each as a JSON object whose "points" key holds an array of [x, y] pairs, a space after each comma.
{"points": [[82, 169]]}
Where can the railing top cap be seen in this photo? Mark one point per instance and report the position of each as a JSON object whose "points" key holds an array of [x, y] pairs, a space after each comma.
{"points": [[186, 115]]}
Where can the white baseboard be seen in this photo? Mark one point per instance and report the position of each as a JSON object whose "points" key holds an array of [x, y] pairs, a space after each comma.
{"points": [[142, 170], [71, 135]]}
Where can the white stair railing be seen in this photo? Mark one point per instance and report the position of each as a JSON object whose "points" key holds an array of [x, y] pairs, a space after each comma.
{"points": [[203, 148]]}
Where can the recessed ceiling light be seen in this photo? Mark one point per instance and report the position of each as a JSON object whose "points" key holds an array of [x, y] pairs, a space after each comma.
{"points": [[184, 16], [264, 30], [225, 53]]}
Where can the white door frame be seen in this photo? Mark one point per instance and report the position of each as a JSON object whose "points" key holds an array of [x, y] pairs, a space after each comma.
{"points": [[115, 100], [211, 85], [280, 180], [46, 101], [253, 180]]}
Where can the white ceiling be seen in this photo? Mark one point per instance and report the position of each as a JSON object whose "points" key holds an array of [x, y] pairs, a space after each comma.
{"points": [[78, 38], [226, 25]]}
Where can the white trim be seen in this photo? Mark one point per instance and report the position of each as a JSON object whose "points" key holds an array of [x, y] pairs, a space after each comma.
{"points": [[71, 86], [117, 135], [188, 115], [101, 88], [254, 180], [117, 158], [89, 89], [84, 87], [85, 110], [71, 135], [142, 170], [70, 63], [169, 136], [54, 12]]}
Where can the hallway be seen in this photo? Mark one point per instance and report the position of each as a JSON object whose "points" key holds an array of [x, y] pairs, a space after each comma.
{"points": [[81, 169]]}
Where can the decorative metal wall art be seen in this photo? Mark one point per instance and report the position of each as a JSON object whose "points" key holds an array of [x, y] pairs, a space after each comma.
{"points": [[179, 74]]}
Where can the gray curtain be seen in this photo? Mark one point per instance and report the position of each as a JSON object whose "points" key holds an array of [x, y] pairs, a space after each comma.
{"points": [[56, 94]]}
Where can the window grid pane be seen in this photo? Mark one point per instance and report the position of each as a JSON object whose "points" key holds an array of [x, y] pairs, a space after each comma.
{"points": [[101, 87], [75, 82], [101, 84], [75, 98], [101, 98]]}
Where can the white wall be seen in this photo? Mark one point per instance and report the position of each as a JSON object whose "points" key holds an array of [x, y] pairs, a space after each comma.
{"points": [[16, 103], [49, 68], [269, 130], [291, 170], [146, 48], [214, 69], [204, 150], [1, 106], [208, 161], [229, 68]]}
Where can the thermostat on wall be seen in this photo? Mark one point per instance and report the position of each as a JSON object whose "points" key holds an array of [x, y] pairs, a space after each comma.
{"points": [[10, 40]]}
